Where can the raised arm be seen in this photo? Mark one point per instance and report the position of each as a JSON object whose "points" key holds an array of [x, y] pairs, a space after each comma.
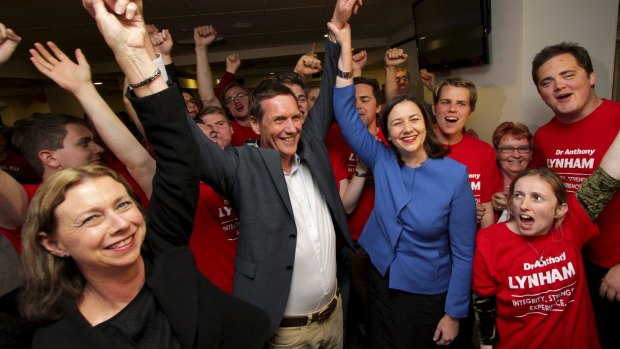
{"points": [[393, 57], [175, 186], [320, 117], [161, 42], [233, 62], [13, 202], [359, 61], [203, 37], [76, 78], [598, 189], [308, 63]]}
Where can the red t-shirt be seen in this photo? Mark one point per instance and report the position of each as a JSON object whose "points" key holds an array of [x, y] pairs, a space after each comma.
{"points": [[358, 218], [241, 134], [214, 238], [19, 168], [479, 158], [539, 282], [339, 153], [574, 151]]}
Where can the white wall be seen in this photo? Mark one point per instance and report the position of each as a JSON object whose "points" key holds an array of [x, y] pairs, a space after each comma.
{"points": [[520, 28]]}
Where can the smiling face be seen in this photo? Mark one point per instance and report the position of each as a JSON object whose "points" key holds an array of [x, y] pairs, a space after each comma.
{"points": [[78, 148], [452, 111], [302, 99], [98, 225], [407, 130], [566, 88], [280, 127], [514, 162], [217, 128], [366, 105], [535, 206], [237, 100]]}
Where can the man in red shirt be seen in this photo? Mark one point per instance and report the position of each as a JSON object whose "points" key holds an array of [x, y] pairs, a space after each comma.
{"points": [[573, 143]]}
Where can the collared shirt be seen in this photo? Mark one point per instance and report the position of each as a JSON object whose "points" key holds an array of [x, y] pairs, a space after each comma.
{"points": [[314, 273]]}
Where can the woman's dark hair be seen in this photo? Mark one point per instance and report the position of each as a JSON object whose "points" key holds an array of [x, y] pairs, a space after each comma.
{"points": [[432, 146]]}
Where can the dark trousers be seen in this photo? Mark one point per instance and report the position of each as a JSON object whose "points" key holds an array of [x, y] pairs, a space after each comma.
{"points": [[401, 319], [607, 313]]}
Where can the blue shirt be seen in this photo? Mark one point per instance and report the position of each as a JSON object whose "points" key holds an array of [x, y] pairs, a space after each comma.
{"points": [[423, 226]]}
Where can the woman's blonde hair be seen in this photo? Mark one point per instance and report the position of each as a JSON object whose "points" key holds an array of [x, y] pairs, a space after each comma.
{"points": [[50, 280]]}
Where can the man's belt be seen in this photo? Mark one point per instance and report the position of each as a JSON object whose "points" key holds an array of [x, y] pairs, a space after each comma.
{"points": [[305, 320]]}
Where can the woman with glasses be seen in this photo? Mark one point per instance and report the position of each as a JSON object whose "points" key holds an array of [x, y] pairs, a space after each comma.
{"points": [[513, 151]]}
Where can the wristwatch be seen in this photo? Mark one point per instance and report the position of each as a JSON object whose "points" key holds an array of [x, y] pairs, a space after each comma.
{"points": [[347, 75]]}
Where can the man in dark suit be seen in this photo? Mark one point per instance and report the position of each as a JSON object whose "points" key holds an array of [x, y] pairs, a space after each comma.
{"points": [[290, 212]]}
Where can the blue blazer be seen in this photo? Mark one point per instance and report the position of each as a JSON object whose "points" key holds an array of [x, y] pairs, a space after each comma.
{"points": [[423, 226]]}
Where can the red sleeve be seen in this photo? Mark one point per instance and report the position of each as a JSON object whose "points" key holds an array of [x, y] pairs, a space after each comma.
{"points": [[14, 236], [492, 176], [226, 79], [483, 282]]}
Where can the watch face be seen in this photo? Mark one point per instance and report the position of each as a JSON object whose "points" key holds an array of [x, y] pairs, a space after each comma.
{"points": [[345, 74]]}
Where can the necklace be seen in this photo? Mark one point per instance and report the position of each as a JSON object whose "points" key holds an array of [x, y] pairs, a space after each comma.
{"points": [[540, 254]]}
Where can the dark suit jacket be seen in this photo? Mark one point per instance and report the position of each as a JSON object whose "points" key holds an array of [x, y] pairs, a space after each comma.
{"points": [[200, 315], [252, 178]]}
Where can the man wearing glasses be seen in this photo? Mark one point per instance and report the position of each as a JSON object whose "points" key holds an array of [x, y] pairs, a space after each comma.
{"points": [[236, 100]]}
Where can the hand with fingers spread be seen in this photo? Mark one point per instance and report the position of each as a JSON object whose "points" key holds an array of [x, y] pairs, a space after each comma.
{"points": [[8, 43], [204, 35], [233, 62], [395, 56], [60, 68]]}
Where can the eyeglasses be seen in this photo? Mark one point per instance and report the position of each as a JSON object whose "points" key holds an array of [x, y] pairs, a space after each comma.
{"points": [[402, 79], [231, 99], [510, 150]]}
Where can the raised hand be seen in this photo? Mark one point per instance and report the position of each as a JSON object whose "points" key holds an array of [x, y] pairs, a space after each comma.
{"points": [[8, 43], [341, 34], [120, 23], [395, 56], [428, 79], [233, 62], [308, 64], [359, 61], [60, 68], [161, 40], [204, 35], [343, 11]]}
